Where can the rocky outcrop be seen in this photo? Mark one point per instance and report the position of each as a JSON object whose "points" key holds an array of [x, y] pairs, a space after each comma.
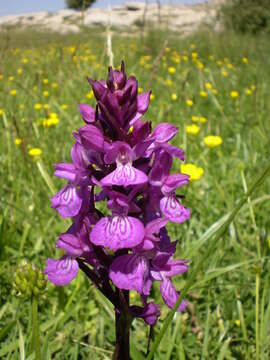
{"points": [[182, 18]]}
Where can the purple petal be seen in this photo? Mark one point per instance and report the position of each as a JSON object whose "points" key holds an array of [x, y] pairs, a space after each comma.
{"points": [[98, 88], [70, 243], [92, 137], [131, 272], [170, 295], [149, 313], [118, 149], [173, 210], [175, 267], [65, 171], [124, 176], [174, 151], [117, 232], [67, 201], [164, 132], [143, 101], [61, 272], [174, 181], [87, 113]]}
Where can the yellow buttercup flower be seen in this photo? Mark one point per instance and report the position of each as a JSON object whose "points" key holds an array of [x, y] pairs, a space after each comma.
{"points": [[253, 87], [202, 119], [171, 70], [189, 102], [17, 141], [237, 322], [90, 95], [38, 106], [185, 58], [208, 85], [34, 152], [46, 106], [212, 141], [174, 96], [192, 129], [11, 78], [45, 81], [245, 60], [234, 94], [152, 97], [46, 93], [168, 82], [194, 55], [54, 85], [195, 118], [248, 92], [224, 73], [1, 112], [19, 71], [203, 94], [13, 92], [140, 90], [192, 170], [214, 91]]}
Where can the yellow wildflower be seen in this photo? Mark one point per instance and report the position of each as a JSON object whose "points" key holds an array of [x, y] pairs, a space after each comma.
{"points": [[168, 82], [208, 85], [54, 85], [45, 81], [19, 71], [200, 65], [192, 129], [234, 94], [203, 94], [237, 322], [152, 97], [214, 91], [46, 93], [64, 106], [219, 63], [13, 92], [189, 102], [167, 49], [212, 141], [185, 58], [25, 60], [253, 87], [248, 92], [34, 152], [174, 96], [90, 95], [202, 119], [140, 90], [245, 60], [38, 106], [192, 170], [194, 56], [171, 70], [211, 57], [195, 118], [1, 77], [11, 78], [1, 112], [17, 141], [46, 106], [224, 73], [230, 66]]}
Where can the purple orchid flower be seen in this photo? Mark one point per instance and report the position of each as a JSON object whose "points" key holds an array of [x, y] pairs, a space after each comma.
{"points": [[119, 161]]}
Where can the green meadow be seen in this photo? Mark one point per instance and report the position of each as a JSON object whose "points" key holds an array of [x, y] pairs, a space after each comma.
{"points": [[208, 84]]}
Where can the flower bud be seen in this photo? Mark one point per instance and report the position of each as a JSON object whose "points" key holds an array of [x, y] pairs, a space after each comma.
{"points": [[28, 280]]}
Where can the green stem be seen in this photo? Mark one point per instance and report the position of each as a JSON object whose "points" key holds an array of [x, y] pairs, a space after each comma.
{"points": [[35, 330], [221, 231], [257, 316]]}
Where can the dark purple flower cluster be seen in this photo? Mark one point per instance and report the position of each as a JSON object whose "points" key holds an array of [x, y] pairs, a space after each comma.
{"points": [[118, 158]]}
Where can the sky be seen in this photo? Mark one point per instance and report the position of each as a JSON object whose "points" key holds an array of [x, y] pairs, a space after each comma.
{"points": [[10, 7]]}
